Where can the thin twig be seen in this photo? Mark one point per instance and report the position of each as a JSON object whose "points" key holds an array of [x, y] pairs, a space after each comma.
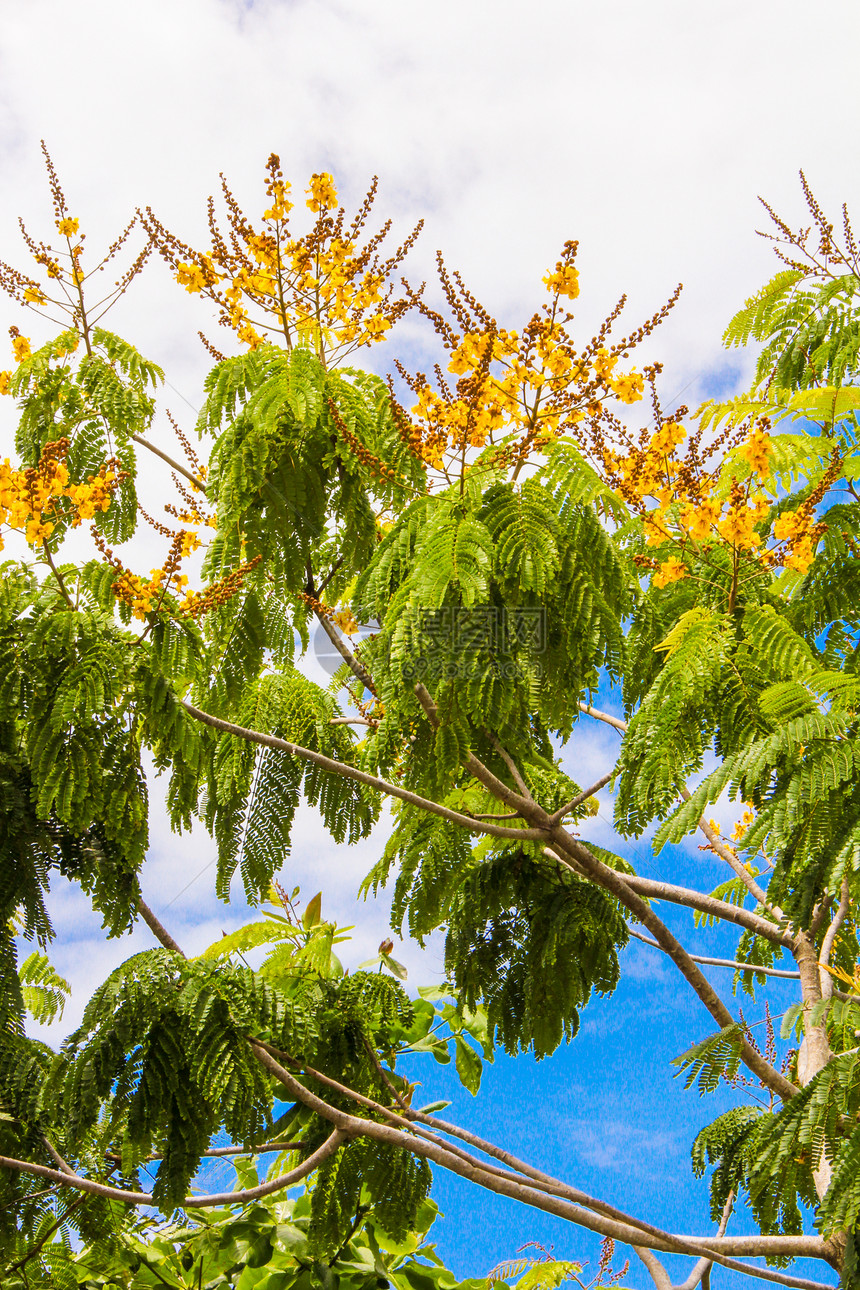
{"points": [[732, 963], [558, 816], [171, 461], [830, 940]]}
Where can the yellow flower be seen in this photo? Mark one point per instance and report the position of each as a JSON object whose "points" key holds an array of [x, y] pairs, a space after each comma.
{"points": [[38, 529], [655, 528], [670, 571], [34, 296], [21, 346], [345, 621], [564, 281], [757, 451], [738, 527], [191, 277], [699, 520], [190, 542], [249, 336], [603, 363], [375, 328], [68, 227], [628, 388], [788, 525], [321, 193], [5, 378], [801, 557], [668, 436]]}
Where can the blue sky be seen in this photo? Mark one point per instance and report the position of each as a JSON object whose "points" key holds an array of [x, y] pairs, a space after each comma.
{"points": [[647, 131]]}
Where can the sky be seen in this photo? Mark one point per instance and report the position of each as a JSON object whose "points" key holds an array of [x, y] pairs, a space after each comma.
{"points": [[646, 131]]}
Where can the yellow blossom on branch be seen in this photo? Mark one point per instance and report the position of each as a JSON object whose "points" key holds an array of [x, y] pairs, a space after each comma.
{"points": [[738, 526], [191, 277], [628, 388], [671, 570], [67, 227], [700, 519], [757, 451], [667, 438], [21, 347], [564, 280], [321, 193]]}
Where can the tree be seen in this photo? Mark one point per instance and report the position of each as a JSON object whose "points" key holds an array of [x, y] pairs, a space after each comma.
{"points": [[511, 542]]}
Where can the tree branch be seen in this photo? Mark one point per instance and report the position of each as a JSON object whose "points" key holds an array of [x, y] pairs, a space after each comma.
{"points": [[558, 816], [692, 899], [732, 963], [725, 853], [616, 883], [603, 716], [328, 1148], [718, 1249], [157, 928], [830, 940], [477, 768], [467, 822], [358, 669], [661, 1277], [171, 461]]}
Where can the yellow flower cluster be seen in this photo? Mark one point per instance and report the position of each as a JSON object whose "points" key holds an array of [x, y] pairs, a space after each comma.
{"points": [[669, 571], [743, 823], [140, 595], [321, 193], [31, 501], [145, 595], [757, 451], [563, 280], [21, 347], [797, 529], [345, 620], [532, 383], [324, 289], [685, 509]]}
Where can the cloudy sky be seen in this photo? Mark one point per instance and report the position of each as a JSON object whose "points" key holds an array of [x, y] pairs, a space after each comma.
{"points": [[647, 131]]}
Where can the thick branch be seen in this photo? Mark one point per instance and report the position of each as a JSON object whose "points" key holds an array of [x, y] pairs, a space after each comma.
{"points": [[617, 884], [700, 1271], [358, 670], [735, 864], [692, 899], [719, 1249], [467, 822], [157, 928], [328, 1148], [725, 853], [616, 722], [830, 940]]}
